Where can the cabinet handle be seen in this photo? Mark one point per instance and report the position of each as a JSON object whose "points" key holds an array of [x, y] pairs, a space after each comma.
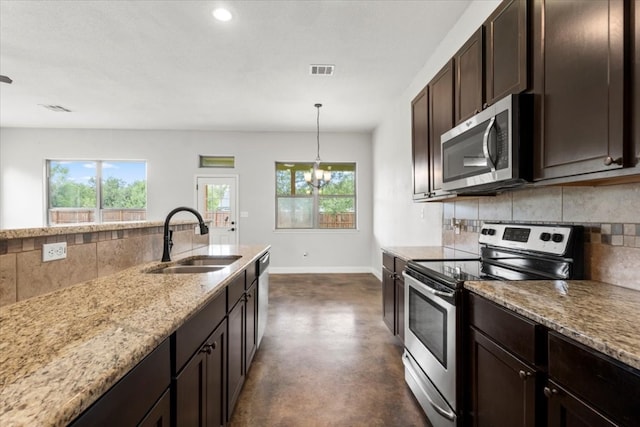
{"points": [[608, 161], [206, 349], [524, 375], [550, 392]]}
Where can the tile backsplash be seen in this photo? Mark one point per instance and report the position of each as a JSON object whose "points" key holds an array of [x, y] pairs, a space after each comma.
{"points": [[89, 255], [610, 216]]}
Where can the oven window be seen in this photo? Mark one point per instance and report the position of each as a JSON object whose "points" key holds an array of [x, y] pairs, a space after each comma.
{"points": [[428, 322]]}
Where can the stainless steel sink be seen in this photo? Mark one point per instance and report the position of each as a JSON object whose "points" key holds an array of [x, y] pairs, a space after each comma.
{"points": [[187, 269], [209, 260]]}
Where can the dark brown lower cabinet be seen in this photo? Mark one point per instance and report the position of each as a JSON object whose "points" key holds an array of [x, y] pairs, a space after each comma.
{"points": [[136, 395], [201, 386], [566, 410], [388, 299], [236, 347], [251, 332], [160, 414], [400, 307], [588, 388], [503, 388]]}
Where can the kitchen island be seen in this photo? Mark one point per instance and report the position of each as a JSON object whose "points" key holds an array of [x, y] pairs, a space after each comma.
{"points": [[61, 351]]}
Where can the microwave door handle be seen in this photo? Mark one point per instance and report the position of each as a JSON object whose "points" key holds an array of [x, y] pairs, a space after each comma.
{"points": [[485, 144]]}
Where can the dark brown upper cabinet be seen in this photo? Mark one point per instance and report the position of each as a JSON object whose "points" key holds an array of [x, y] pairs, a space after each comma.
{"points": [[634, 149], [578, 59], [441, 119], [420, 145], [506, 50], [469, 88]]}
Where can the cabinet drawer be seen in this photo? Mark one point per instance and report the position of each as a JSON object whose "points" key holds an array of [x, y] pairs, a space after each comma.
{"points": [[252, 274], [190, 336], [235, 290], [610, 386], [509, 329], [127, 402], [387, 261]]}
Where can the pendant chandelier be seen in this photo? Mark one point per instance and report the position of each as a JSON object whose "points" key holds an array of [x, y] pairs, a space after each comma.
{"points": [[317, 177]]}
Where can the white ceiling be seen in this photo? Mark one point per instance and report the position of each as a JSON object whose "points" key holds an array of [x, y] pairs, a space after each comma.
{"points": [[170, 65]]}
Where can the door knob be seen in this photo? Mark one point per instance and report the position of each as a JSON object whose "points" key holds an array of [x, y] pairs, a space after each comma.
{"points": [[232, 229]]}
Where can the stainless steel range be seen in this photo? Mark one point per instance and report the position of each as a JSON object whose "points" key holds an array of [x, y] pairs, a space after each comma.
{"points": [[433, 303]]}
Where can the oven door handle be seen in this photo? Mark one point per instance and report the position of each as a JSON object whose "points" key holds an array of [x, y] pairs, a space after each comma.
{"points": [[439, 293], [426, 287], [443, 412]]}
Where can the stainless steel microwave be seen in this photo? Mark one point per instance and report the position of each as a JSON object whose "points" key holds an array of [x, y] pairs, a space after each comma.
{"points": [[492, 150]]}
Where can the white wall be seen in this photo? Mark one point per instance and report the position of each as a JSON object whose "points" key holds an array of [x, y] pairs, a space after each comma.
{"points": [[172, 160], [397, 220]]}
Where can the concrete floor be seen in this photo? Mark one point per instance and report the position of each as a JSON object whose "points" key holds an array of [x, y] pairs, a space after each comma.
{"points": [[326, 358]]}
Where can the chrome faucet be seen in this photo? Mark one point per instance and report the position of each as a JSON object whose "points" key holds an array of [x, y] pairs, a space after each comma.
{"points": [[168, 243]]}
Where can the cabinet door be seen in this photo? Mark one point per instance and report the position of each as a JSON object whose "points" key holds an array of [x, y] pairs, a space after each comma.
{"points": [[565, 410], [441, 115], [578, 82], [469, 78], [236, 353], [160, 414], [191, 394], [506, 35], [388, 299], [400, 308], [216, 378], [251, 337], [420, 145], [503, 389]]}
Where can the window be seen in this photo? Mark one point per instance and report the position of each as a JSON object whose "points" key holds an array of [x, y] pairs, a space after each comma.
{"points": [[300, 206], [96, 191]]}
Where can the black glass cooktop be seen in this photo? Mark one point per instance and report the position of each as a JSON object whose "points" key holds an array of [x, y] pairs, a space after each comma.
{"points": [[452, 272]]}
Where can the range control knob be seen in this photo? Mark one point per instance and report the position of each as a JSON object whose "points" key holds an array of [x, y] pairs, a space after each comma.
{"points": [[491, 231], [545, 237], [557, 237], [485, 231]]}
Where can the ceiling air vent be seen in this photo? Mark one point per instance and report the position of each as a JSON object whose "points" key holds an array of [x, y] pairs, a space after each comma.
{"points": [[321, 69], [56, 108]]}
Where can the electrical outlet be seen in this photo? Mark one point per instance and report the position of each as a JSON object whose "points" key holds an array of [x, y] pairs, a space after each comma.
{"points": [[54, 251]]}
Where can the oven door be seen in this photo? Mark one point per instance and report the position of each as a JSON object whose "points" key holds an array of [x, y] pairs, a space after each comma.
{"points": [[430, 333]]}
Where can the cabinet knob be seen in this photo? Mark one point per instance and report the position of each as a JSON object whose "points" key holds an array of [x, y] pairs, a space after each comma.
{"points": [[550, 392], [608, 161], [524, 375], [206, 349], [214, 345]]}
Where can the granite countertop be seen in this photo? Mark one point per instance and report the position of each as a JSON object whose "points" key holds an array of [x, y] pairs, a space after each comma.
{"points": [[602, 316], [61, 351], [21, 233]]}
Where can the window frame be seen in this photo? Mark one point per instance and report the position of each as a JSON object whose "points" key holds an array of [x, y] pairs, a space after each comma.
{"points": [[98, 210], [316, 197]]}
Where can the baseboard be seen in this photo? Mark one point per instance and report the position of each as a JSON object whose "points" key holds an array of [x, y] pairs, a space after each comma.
{"points": [[321, 270]]}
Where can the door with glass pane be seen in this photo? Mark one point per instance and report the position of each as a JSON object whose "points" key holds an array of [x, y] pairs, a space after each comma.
{"points": [[217, 204]]}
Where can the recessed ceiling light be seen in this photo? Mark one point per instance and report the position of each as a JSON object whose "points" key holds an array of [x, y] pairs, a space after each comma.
{"points": [[222, 14]]}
